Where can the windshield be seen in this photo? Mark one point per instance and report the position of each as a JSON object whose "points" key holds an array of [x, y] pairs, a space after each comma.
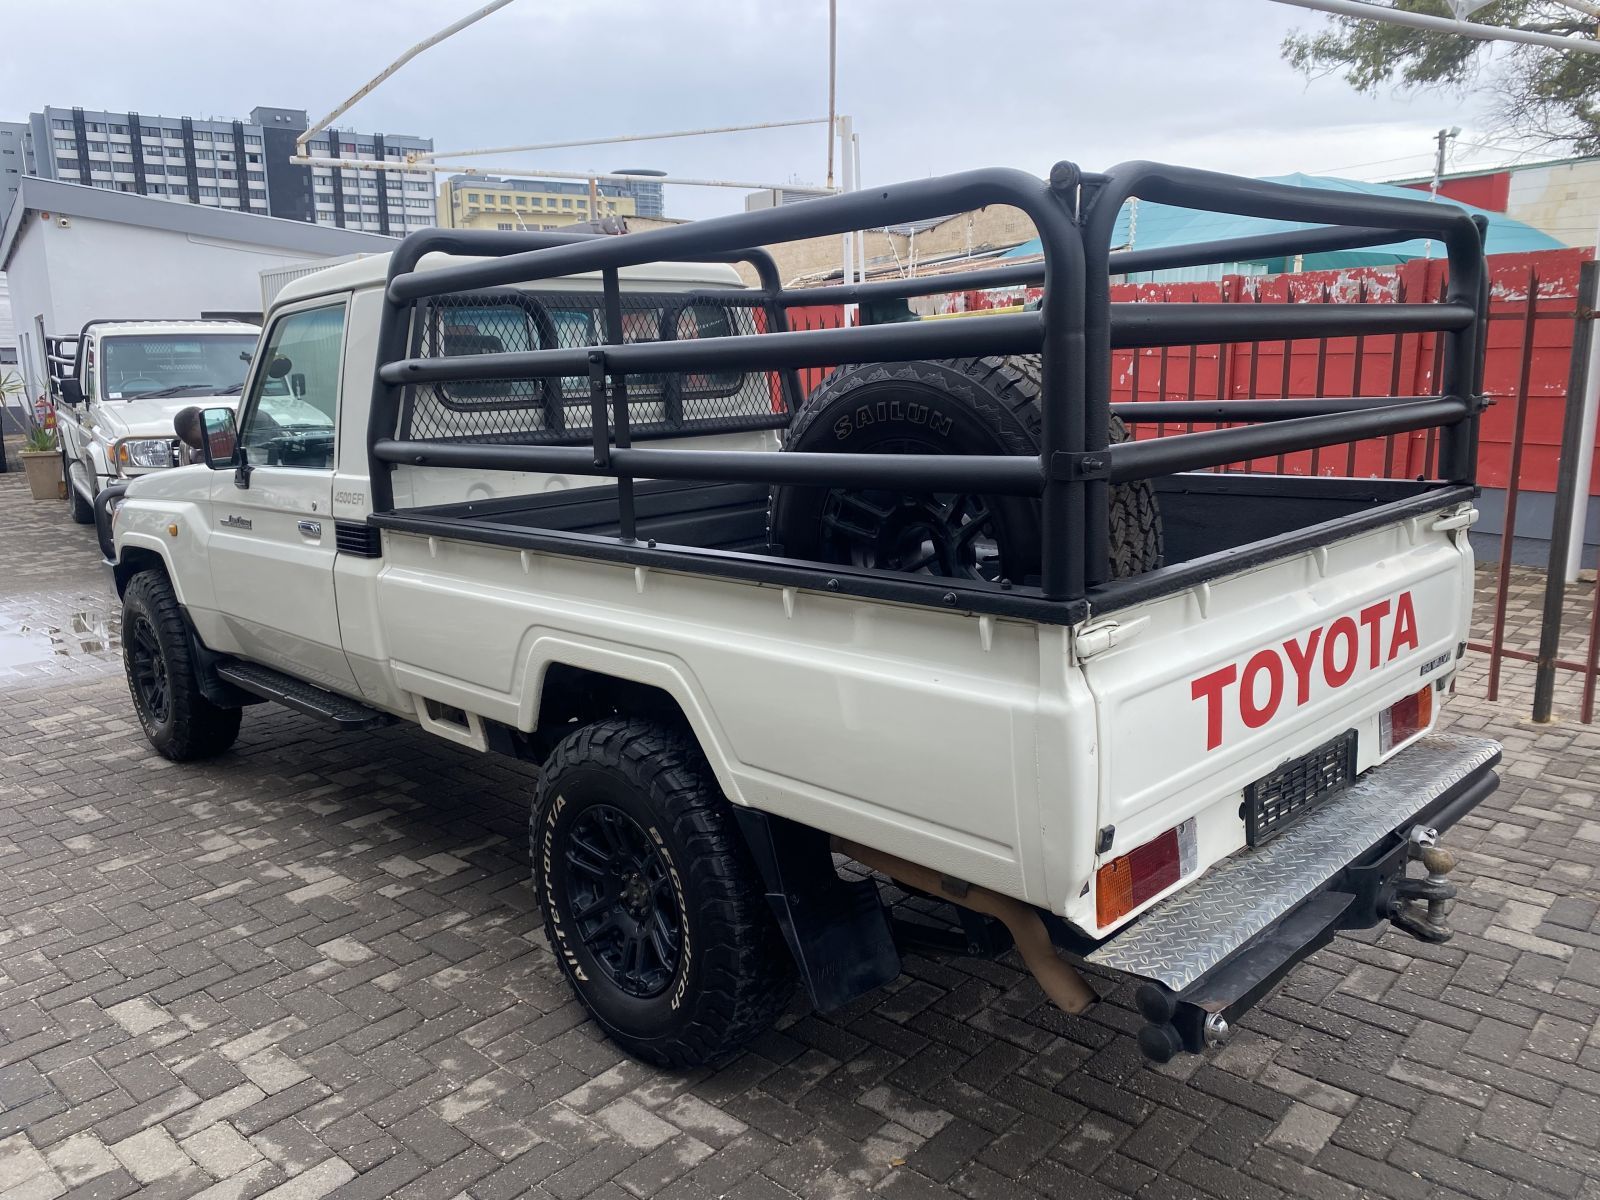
{"points": [[174, 365]]}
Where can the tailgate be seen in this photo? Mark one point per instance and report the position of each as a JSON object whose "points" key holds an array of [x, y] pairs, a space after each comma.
{"points": [[1205, 692]]}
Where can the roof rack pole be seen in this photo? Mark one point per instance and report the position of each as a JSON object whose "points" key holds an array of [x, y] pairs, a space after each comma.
{"points": [[454, 27], [848, 240]]}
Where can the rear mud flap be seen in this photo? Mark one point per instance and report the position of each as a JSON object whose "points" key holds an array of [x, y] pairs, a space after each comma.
{"points": [[835, 928], [1210, 951]]}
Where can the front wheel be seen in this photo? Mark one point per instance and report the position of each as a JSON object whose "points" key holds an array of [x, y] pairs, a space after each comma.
{"points": [[651, 903], [179, 721], [82, 510]]}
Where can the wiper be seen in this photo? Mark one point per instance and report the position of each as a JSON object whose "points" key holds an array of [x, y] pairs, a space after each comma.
{"points": [[233, 389], [175, 390]]}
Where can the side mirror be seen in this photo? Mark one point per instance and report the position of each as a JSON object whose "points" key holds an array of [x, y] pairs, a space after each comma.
{"points": [[72, 391], [279, 367], [219, 437]]}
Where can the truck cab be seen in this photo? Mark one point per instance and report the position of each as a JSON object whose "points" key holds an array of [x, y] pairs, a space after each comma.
{"points": [[118, 385]]}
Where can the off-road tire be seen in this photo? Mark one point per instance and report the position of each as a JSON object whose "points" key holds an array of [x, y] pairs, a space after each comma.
{"points": [[82, 510], [732, 975], [184, 725], [956, 406]]}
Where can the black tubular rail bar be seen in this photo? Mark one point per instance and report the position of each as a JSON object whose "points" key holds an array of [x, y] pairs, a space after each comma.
{"points": [[1002, 474], [1132, 325], [1189, 451], [1122, 262], [1210, 191], [1074, 332], [1178, 412]]}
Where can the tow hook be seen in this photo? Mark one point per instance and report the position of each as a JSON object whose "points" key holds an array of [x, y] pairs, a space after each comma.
{"points": [[1435, 889]]}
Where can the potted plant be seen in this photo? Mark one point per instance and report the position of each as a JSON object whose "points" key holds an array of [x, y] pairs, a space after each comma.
{"points": [[42, 461]]}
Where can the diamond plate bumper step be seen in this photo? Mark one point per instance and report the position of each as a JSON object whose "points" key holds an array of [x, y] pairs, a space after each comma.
{"points": [[1212, 949], [301, 696]]}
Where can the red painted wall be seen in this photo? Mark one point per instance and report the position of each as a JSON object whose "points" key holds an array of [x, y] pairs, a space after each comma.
{"points": [[1540, 349], [1491, 191], [1375, 365]]}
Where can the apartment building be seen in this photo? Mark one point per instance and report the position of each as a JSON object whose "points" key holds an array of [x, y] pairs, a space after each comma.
{"points": [[486, 202], [13, 137], [231, 164]]}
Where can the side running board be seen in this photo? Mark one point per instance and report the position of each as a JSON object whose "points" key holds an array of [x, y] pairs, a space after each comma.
{"points": [[301, 696]]}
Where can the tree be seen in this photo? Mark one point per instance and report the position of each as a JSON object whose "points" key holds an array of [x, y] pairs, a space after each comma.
{"points": [[1544, 93]]}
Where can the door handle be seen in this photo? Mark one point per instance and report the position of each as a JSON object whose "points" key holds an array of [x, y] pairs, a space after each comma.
{"points": [[311, 528]]}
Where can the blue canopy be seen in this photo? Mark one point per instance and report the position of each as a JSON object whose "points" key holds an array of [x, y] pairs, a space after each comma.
{"points": [[1148, 226]]}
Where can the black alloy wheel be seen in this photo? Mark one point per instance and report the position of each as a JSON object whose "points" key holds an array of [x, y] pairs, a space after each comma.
{"points": [[152, 686], [623, 903], [652, 906], [948, 535], [158, 657]]}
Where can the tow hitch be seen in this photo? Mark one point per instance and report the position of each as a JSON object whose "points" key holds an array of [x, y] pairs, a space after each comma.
{"points": [[1206, 954], [1405, 906]]}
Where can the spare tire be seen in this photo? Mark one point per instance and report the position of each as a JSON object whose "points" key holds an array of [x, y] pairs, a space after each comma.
{"points": [[957, 406]]}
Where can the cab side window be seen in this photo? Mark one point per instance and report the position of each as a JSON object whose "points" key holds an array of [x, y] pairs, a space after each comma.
{"points": [[295, 398]]}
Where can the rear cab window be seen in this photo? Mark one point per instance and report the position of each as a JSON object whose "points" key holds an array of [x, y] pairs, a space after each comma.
{"points": [[560, 409]]}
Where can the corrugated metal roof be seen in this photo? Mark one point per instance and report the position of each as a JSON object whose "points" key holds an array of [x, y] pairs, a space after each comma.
{"points": [[254, 229]]}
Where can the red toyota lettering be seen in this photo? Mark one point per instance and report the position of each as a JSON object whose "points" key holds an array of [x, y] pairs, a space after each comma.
{"points": [[1301, 659], [1405, 626], [1333, 652], [1262, 662], [1338, 676], [1370, 616], [1210, 686]]}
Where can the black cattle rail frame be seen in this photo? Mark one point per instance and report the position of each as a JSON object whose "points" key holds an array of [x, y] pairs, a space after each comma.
{"points": [[1074, 331]]}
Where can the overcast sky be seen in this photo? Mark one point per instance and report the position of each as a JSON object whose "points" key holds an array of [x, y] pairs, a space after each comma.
{"points": [[934, 86]]}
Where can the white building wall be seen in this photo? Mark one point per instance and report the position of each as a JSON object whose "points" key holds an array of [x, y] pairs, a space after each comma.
{"points": [[8, 325], [28, 280], [1562, 199], [92, 268]]}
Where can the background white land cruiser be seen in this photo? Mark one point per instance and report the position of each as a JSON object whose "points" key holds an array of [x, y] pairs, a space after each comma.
{"points": [[125, 381], [562, 498]]}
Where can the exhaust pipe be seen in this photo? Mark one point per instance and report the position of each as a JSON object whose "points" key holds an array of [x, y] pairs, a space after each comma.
{"points": [[1068, 989]]}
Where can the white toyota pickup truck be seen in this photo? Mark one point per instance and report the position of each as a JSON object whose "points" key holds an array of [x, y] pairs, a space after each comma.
{"points": [[118, 385], [561, 497]]}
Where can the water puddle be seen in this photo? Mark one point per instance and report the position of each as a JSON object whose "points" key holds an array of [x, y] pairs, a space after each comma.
{"points": [[29, 640]]}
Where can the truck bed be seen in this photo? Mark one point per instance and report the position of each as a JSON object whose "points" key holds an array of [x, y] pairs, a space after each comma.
{"points": [[1203, 514]]}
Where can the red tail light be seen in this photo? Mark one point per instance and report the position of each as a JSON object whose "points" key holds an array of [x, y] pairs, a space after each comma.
{"points": [[1127, 881], [1405, 719]]}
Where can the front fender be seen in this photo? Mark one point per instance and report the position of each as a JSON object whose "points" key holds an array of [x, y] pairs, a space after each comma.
{"points": [[170, 532]]}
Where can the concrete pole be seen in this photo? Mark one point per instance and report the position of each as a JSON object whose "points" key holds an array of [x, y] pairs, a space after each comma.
{"points": [[861, 242], [847, 165]]}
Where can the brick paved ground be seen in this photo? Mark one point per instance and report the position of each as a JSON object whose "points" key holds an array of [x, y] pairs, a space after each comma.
{"points": [[312, 968]]}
